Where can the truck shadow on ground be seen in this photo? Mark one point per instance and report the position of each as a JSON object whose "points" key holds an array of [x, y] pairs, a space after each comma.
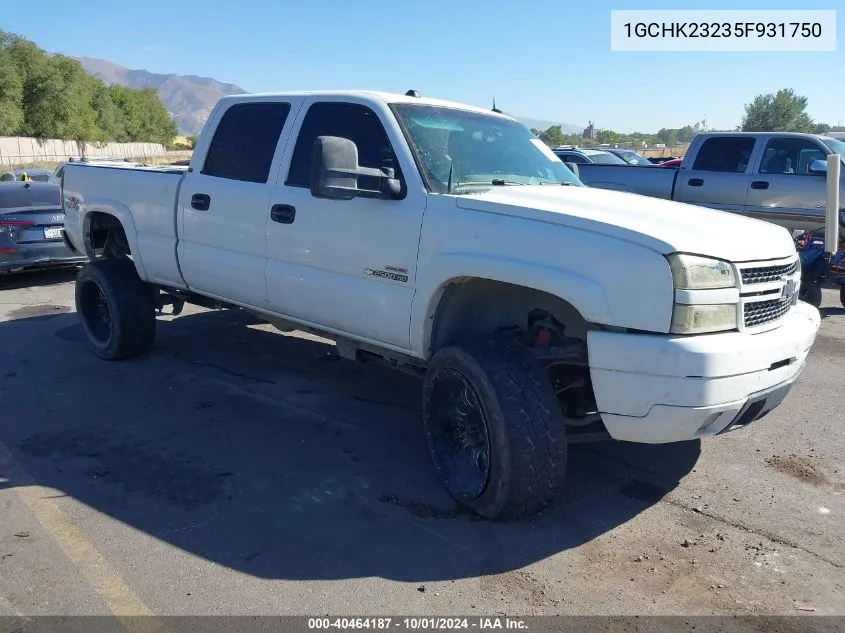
{"points": [[265, 453]]}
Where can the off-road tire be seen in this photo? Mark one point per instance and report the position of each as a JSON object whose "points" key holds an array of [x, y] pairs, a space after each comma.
{"points": [[525, 427], [128, 327]]}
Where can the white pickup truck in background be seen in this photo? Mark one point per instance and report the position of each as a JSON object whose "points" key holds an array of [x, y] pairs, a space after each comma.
{"points": [[448, 241]]}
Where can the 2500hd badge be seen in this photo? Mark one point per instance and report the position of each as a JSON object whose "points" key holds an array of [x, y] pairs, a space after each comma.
{"points": [[399, 275]]}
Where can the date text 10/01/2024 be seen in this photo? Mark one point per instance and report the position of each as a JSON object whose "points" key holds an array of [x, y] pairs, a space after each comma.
{"points": [[417, 623]]}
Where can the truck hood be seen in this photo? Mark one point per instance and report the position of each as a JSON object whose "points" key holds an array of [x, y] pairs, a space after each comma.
{"points": [[661, 225]]}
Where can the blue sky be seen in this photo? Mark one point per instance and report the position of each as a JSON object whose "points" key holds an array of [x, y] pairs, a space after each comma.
{"points": [[543, 59]]}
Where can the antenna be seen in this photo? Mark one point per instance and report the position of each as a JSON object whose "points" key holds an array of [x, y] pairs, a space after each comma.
{"points": [[495, 109]]}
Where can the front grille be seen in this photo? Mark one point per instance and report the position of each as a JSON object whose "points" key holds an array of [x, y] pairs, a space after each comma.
{"points": [[763, 274], [760, 312]]}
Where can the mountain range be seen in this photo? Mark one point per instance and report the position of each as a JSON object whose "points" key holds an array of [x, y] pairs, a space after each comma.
{"points": [[189, 99]]}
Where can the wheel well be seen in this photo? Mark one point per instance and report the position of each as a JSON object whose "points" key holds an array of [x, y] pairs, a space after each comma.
{"points": [[476, 307], [105, 236]]}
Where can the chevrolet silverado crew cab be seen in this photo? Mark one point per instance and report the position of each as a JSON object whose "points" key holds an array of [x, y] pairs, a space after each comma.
{"points": [[774, 176], [450, 242]]}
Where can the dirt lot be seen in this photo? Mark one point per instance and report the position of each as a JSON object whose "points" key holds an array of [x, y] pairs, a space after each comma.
{"points": [[238, 470]]}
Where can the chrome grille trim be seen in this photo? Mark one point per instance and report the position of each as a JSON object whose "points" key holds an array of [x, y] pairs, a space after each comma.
{"points": [[762, 312], [761, 287], [764, 274]]}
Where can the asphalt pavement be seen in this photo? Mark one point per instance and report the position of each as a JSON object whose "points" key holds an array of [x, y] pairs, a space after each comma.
{"points": [[238, 470]]}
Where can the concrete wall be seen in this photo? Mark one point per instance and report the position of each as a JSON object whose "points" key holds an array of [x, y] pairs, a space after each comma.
{"points": [[21, 150]]}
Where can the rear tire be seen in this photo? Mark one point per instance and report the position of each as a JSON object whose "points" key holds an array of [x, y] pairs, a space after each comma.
{"points": [[116, 309], [494, 429], [842, 295]]}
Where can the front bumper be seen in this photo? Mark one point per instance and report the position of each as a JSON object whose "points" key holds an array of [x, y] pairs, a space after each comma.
{"points": [[656, 389]]}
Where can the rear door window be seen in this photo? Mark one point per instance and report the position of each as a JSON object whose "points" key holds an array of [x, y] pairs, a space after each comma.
{"points": [[245, 141], [724, 154]]}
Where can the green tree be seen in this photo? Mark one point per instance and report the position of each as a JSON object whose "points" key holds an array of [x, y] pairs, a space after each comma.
{"points": [[51, 96], [608, 136], [57, 101], [553, 136], [821, 128], [668, 136], [159, 126], [145, 115], [23, 53], [11, 96], [46, 112], [125, 102], [784, 111], [110, 121], [685, 134]]}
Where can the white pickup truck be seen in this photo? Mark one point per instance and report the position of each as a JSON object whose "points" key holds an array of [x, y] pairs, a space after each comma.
{"points": [[448, 241]]}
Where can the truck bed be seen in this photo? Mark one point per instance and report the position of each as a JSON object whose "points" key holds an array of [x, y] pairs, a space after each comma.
{"points": [[143, 198]]}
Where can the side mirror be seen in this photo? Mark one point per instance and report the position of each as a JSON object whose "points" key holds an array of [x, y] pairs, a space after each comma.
{"points": [[335, 172], [818, 168], [573, 167]]}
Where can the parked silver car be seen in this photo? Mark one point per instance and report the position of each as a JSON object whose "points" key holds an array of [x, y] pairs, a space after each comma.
{"points": [[32, 226]]}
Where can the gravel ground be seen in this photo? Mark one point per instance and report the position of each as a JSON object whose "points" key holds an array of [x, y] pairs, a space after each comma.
{"points": [[238, 470]]}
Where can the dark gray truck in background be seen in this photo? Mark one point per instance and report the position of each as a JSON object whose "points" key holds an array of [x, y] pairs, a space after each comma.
{"points": [[774, 176]]}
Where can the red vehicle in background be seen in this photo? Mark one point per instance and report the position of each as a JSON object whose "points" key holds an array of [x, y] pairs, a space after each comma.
{"points": [[672, 162]]}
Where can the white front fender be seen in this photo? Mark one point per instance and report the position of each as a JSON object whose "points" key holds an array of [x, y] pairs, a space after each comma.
{"points": [[583, 294]]}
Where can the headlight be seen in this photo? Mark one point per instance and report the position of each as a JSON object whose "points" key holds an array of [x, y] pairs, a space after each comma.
{"points": [[691, 272], [699, 319]]}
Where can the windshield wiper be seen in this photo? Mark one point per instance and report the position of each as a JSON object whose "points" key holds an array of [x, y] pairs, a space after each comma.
{"points": [[499, 182], [502, 182], [496, 182]]}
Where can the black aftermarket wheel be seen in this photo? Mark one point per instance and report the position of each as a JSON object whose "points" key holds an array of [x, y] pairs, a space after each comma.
{"points": [[115, 308], [494, 429]]}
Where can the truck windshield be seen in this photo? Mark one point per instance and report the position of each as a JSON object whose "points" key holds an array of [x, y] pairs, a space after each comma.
{"points": [[469, 152], [836, 146]]}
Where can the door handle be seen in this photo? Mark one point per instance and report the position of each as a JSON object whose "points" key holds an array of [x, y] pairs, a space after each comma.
{"points": [[282, 213], [201, 201], [695, 182], [760, 184]]}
